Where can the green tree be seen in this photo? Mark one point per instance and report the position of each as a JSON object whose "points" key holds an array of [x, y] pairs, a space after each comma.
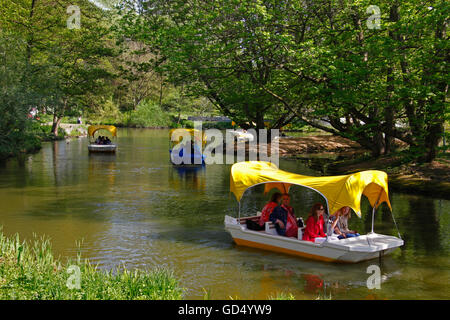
{"points": [[64, 64], [208, 49]]}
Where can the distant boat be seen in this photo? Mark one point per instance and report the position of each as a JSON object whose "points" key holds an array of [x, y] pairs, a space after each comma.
{"points": [[243, 135], [338, 191], [98, 146]]}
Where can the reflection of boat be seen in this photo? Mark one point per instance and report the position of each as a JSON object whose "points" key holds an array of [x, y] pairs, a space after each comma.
{"points": [[184, 171], [102, 166], [187, 178], [186, 147], [96, 147], [338, 191]]}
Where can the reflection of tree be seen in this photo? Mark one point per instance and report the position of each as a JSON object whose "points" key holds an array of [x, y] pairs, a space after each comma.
{"points": [[55, 151], [422, 227]]}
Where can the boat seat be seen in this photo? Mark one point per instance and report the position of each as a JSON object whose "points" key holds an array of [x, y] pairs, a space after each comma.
{"points": [[270, 228], [300, 233], [254, 218]]}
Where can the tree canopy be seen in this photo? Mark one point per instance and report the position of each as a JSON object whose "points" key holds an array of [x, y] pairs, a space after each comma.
{"points": [[371, 73]]}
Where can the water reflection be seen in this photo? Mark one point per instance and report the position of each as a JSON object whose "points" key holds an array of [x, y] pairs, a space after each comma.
{"points": [[422, 226], [188, 177], [102, 165]]}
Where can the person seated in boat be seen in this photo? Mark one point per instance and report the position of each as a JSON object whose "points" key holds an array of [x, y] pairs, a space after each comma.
{"points": [[340, 223], [268, 208], [107, 141], [314, 223], [97, 141], [283, 218]]}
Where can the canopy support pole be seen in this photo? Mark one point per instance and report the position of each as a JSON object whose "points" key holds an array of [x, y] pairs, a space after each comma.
{"points": [[239, 214], [374, 210], [395, 223], [373, 216]]}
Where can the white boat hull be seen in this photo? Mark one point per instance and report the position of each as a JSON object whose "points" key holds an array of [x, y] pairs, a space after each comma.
{"points": [[102, 147], [351, 250]]}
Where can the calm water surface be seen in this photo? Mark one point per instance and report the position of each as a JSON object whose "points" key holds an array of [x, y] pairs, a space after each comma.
{"points": [[135, 209]]}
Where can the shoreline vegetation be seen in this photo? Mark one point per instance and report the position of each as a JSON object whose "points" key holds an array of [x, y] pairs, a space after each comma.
{"points": [[30, 271], [333, 155]]}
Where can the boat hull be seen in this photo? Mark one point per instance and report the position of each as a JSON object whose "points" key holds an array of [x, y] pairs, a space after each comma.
{"points": [[351, 250], [108, 148]]}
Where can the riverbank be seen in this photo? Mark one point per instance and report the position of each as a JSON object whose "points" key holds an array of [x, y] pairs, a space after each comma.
{"points": [[19, 143], [432, 179], [29, 271], [293, 146], [343, 156]]}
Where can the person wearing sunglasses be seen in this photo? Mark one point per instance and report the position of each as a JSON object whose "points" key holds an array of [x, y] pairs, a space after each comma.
{"points": [[314, 223]]}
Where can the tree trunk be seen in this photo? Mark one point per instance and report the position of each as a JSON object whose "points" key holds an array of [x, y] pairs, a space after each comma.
{"points": [[57, 117], [378, 145], [432, 141], [55, 125]]}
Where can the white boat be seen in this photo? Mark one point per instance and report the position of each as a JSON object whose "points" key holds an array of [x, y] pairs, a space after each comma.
{"points": [[339, 191], [102, 147], [95, 147], [364, 247]]}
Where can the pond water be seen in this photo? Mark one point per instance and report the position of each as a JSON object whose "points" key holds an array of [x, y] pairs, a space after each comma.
{"points": [[135, 209]]}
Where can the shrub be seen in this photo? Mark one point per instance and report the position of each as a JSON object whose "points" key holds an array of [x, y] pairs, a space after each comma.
{"points": [[149, 114]]}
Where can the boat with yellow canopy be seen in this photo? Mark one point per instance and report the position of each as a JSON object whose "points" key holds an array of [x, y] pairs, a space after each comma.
{"points": [[194, 147], [98, 145], [338, 191]]}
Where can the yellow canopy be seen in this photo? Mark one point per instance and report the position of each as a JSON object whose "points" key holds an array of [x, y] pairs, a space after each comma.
{"points": [[93, 129], [192, 132], [339, 191]]}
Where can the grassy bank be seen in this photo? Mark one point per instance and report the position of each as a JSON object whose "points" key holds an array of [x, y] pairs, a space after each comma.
{"points": [[29, 270]]}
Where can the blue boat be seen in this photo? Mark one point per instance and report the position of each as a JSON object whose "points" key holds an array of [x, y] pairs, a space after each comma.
{"points": [[196, 158]]}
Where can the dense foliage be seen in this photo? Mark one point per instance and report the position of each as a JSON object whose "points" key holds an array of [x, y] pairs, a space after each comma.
{"points": [[324, 62], [374, 74]]}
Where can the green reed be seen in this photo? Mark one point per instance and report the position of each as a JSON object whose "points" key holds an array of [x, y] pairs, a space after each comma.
{"points": [[29, 270]]}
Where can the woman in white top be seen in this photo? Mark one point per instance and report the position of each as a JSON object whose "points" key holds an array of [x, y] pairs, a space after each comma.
{"points": [[340, 223]]}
